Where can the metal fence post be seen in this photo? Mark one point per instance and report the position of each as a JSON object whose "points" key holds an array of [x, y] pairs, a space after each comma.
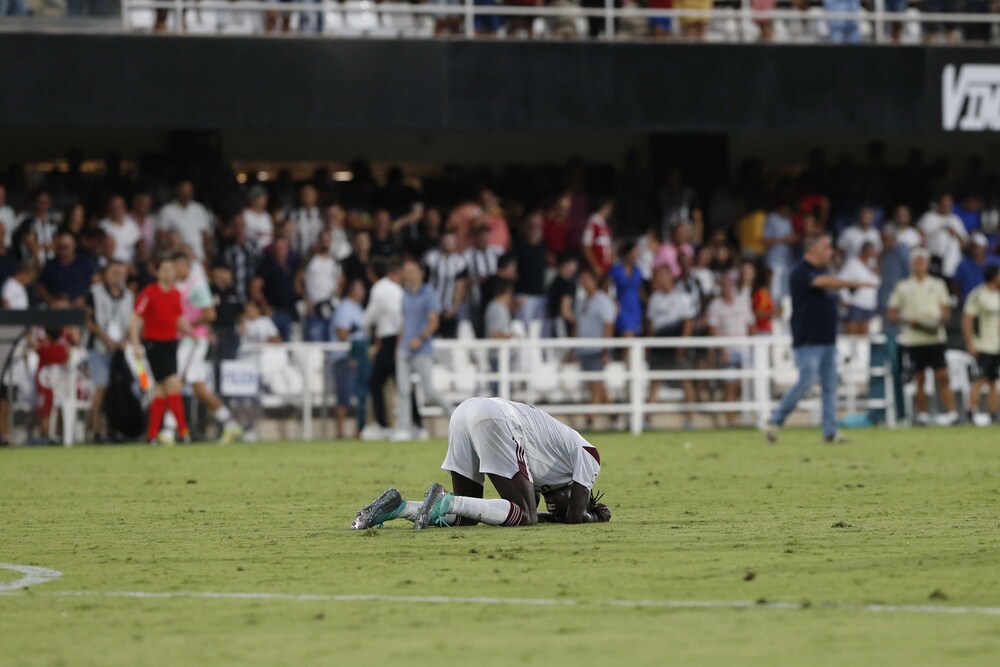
{"points": [[307, 416], [504, 368], [637, 384], [470, 19], [69, 406], [879, 21], [178, 16], [762, 378], [609, 19]]}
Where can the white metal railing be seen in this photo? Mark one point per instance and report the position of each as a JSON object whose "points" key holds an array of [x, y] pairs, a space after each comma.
{"points": [[871, 24], [541, 371]]}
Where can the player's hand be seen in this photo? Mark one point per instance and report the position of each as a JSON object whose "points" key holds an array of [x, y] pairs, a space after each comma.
{"points": [[600, 512], [416, 343], [183, 326]]}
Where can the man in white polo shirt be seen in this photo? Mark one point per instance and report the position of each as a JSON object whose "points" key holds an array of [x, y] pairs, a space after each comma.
{"points": [[322, 283], [189, 219], [946, 236], [122, 228]]}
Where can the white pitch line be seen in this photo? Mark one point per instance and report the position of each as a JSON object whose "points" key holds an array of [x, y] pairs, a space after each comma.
{"points": [[40, 575], [32, 576]]}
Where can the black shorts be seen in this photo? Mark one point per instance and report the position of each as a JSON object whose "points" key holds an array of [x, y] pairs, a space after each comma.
{"points": [[162, 356], [988, 366], [926, 356]]}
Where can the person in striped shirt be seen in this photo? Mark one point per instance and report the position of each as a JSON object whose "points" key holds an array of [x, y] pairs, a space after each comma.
{"points": [[482, 260], [447, 274]]}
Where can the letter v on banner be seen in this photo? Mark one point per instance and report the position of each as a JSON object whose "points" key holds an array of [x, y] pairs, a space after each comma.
{"points": [[970, 97]]}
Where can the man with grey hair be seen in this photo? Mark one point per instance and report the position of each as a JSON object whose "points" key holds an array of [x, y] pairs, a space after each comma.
{"points": [[922, 305], [814, 335]]}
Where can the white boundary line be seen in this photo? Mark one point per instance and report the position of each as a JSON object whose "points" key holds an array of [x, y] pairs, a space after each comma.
{"points": [[39, 575]]}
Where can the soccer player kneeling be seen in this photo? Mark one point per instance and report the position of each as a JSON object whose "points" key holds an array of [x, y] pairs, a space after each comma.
{"points": [[159, 316], [525, 452]]}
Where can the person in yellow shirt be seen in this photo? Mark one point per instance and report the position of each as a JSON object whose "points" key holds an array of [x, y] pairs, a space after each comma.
{"points": [[981, 328], [922, 305]]}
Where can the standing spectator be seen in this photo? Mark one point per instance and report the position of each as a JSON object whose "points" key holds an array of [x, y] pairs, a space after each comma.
{"points": [[598, 252], [34, 239], [594, 317], [943, 31], [921, 304], [498, 324], [189, 219], [109, 312], [780, 240], [670, 314], [670, 252], [384, 247], [321, 285], [124, 229], [258, 220], [142, 214], [895, 23], [678, 201], [273, 287], [762, 303], [981, 329], [627, 280], [946, 237], [228, 307], [843, 31], [421, 314], [448, 276], [661, 26], [306, 219], [766, 25], [482, 261], [67, 276], [530, 252], [862, 303], [693, 27], [351, 370], [159, 315], [357, 265], [333, 222], [854, 237], [241, 257], [702, 271], [493, 218], [14, 294], [902, 221], [894, 267], [729, 316], [814, 335], [969, 274], [560, 304], [649, 246], [557, 227], [385, 313], [419, 237], [7, 218]]}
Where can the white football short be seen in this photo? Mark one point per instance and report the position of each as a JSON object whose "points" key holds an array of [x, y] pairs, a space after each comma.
{"points": [[192, 360], [485, 439]]}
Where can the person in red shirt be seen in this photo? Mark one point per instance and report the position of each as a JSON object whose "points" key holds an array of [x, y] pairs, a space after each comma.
{"points": [[159, 315], [556, 228], [597, 249], [764, 308]]}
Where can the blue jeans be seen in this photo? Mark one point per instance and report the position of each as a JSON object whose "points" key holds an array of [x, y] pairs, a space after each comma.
{"points": [[843, 30], [815, 362], [283, 321], [317, 328], [13, 8]]}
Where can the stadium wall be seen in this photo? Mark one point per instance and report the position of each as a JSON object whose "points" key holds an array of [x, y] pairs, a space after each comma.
{"points": [[209, 83]]}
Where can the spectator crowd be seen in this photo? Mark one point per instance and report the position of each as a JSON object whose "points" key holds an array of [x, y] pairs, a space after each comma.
{"points": [[585, 251]]}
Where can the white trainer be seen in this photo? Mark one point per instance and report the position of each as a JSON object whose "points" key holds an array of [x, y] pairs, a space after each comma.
{"points": [[373, 432]]}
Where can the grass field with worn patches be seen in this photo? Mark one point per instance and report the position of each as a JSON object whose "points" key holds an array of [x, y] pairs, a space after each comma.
{"points": [[902, 518]]}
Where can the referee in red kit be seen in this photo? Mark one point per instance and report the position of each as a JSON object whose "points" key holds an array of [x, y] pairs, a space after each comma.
{"points": [[158, 313]]}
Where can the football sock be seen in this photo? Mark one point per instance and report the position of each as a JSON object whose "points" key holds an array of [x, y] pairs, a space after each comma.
{"points": [[412, 507], [493, 512], [155, 417], [177, 408]]}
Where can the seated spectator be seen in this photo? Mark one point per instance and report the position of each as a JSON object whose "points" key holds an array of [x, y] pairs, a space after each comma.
{"points": [[258, 220], [189, 219], [447, 275], [560, 303], [351, 370], [981, 330], [594, 317], [679, 244], [67, 277], [529, 251], [922, 306], [670, 313], [596, 244], [863, 231], [946, 237], [124, 229], [969, 274], [862, 302], [730, 317], [780, 240], [843, 30], [627, 280], [321, 283], [273, 287]]}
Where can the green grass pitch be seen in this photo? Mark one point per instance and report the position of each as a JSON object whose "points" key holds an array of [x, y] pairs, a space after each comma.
{"points": [[898, 518]]}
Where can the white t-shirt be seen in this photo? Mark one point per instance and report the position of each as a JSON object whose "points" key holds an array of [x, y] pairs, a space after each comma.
{"points": [[864, 297], [730, 320], [852, 238], [941, 242], [260, 330], [260, 228], [14, 295], [909, 237], [9, 221], [385, 308], [189, 221], [126, 235], [320, 278]]}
